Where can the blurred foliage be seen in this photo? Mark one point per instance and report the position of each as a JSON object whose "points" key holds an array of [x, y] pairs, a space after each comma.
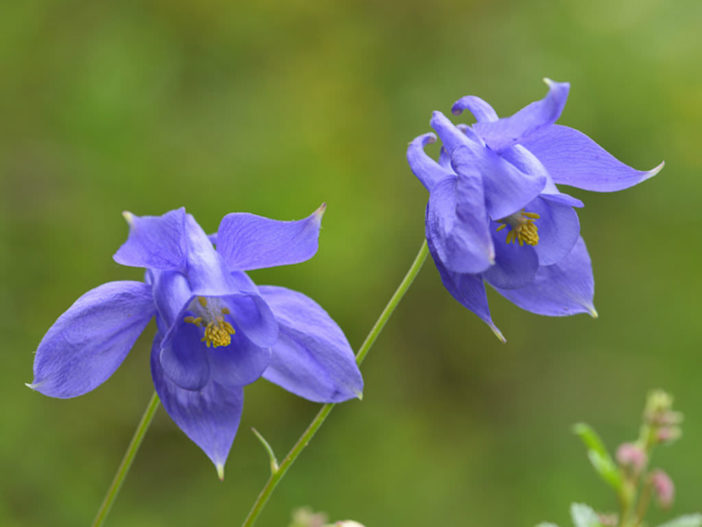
{"points": [[274, 107]]}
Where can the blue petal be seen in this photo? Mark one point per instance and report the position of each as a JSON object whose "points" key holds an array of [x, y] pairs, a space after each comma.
{"points": [[312, 358], [507, 189], [509, 131], [572, 158], [468, 290], [207, 273], [184, 357], [451, 136], [209, 416], [252, 315], [480, 109], [246, 241], [457, 224], [91, 339], [157, 242], [190, 364], [240, 363], [515, 265], [562, 199], [562, 289], [559, 229], [428, 171]]}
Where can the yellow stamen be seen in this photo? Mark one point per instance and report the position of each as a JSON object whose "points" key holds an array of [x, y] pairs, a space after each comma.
{"points": [[501, 227], [218, 333], [522, 228]]}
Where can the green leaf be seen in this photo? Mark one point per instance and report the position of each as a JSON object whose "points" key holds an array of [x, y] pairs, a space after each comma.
{"points": [[598, 455], [689, 520], [269, 450], [584, 516]]}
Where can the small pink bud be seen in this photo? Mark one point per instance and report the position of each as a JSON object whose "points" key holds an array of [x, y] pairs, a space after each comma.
{"points": [[631, 455], [609, 520], [668, 434], [663, 487]]}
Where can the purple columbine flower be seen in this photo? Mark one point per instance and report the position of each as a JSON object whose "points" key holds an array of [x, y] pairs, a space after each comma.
{"points": [[217, 331], [495, 214]]}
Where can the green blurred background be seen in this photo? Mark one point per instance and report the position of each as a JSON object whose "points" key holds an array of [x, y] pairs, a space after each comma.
{"points": [[275, 107]]}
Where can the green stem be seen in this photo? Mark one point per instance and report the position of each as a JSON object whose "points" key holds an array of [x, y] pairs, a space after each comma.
{"points": [[126, 463], [311, 430]]}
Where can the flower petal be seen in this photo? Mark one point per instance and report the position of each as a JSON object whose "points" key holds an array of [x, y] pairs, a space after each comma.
{"points": [[157, 242], [428, 171], [240, 363], [91, 339], [183, 357], [515, 265], [457, 223], [451, 136], [507, 189], [468, 290], [572, 158], [509, 131], [562, 289], [559, 229], [312, 358], [252, 315], [246, 241], [480, 109], [209, 416]]}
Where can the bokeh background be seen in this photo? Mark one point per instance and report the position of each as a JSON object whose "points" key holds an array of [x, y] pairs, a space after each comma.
{"points": [[275, 107]]}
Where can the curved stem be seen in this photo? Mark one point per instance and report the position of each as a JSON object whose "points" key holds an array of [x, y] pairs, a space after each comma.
{"points": [[126, 463], [319, 419]]}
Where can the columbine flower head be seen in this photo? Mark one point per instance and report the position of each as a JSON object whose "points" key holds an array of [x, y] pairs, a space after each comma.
{"points": [[495, 214], [217, 331]]}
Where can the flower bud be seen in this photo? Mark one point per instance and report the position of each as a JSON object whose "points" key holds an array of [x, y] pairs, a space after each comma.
{"points": [[608, 520], [348, 523], [663, 488], [668, 434], [631, 455]]}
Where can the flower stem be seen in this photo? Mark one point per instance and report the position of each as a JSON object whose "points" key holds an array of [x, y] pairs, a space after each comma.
{"points": [[126, 463], [312, 428]]}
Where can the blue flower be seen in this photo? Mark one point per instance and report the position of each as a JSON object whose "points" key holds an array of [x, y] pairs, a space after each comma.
{"points": [[495, 214], [217, 331]]}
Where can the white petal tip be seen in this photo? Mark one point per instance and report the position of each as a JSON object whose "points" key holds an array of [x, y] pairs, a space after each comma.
{"points": [[359, 395], [498, 334], [655, 170], [592, 311], [220, 471], [30, 386], [128, 216], [320, 211]]}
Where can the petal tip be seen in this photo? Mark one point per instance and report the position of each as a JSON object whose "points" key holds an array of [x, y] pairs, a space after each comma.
{"points": [[32, 385], [320, 211], [220, 471], [498, 334], [655, 170], [593, 312], [359, 395], [128, 217]]}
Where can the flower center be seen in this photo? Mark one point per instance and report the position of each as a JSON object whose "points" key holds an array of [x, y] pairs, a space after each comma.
{"points": [[521, 228], [218, 332]]}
